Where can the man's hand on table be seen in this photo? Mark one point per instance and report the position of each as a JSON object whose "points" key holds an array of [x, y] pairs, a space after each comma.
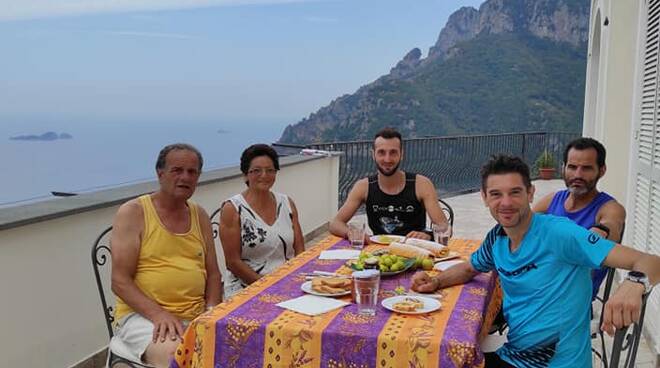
{"points": [[418, 235], [423, 283], [166, 326]]}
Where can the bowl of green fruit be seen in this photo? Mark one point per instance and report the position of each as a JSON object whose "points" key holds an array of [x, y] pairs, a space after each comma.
{"points": [[388, 264]]}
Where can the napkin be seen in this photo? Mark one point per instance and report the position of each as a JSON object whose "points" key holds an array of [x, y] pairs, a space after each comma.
{"points": [[312, 305], [443, 266], [340, 254]]}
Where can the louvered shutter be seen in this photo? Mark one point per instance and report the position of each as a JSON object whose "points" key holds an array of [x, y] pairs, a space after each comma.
{"points": [[646, 215]]}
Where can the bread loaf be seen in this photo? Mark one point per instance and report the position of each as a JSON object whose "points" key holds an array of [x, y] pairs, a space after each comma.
{"points": [[331, 285], [408, 251], [436, 249]]}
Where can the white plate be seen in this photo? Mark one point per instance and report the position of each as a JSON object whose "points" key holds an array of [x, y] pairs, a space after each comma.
{"points": [[443, 266], [393, 238], [430, 305], [307, 287]]}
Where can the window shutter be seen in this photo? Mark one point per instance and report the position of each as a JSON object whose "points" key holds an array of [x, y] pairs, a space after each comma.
{"points": [[647, 124], [646, 214]]}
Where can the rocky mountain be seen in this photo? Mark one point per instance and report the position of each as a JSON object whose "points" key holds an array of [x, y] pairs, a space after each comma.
{"points": [[512, 65]]}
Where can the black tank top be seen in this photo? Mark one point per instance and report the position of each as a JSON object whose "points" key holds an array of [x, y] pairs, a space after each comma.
{"points": [[395, 214]]}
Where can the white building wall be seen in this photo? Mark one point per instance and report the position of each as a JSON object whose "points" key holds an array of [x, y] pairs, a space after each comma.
{"points": [[608, 109]]}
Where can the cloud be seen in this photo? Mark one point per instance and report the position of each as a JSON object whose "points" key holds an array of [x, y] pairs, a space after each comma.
{"points": [[30, 9]]}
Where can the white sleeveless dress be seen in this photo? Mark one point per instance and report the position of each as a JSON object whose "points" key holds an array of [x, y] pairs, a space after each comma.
{"points": [[263, 247]]}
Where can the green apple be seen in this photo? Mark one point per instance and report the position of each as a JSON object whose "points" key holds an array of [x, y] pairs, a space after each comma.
{"points": [[427, 264]]}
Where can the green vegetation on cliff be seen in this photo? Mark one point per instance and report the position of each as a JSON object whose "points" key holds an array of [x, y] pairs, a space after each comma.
{"points": [[493, 83]]}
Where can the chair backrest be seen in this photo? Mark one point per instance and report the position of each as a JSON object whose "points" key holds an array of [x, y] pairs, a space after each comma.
{"points": [[215, 223], [609, 282], [628, 338], [220, 254], [101, 262], [609, 279], [449, 212]]}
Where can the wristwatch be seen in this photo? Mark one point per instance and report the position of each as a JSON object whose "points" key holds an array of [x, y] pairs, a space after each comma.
{"points": [[640, 278], [602, 227]]}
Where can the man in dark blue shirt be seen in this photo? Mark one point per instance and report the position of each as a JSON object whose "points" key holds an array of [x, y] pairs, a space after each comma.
{"points": [[584, 165]]}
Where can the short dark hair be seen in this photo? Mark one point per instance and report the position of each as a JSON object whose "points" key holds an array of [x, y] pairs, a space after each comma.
{"points": [[257, 150], [389, 133], [584, 143], [162, 155], [505, 164]]}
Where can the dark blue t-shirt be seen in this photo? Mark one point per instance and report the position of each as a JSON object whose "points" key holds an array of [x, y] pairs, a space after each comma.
{"points": [[547, 290], [585, 217]]}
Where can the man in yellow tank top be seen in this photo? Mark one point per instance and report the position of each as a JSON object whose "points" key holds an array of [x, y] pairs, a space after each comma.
{"points": [[164, 267]]}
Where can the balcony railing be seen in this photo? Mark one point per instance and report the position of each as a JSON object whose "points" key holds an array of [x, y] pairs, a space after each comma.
{"points": [[452, 163]]}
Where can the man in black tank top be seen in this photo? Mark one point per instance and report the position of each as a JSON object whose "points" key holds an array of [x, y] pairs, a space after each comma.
{"points": [[397, 214], [396, 202]]}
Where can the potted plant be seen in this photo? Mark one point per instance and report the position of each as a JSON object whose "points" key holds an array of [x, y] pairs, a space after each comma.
{"points": [[547, 165]]}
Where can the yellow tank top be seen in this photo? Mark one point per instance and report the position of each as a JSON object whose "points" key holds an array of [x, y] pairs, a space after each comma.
{"points": [[171, 267]]}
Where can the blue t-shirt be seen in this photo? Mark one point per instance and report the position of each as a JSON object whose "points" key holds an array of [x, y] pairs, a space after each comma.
{"points": [[547, 290], [586, 218]]}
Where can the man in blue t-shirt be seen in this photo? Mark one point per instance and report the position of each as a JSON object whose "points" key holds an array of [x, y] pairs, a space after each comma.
{"points": [[582, 202], [544, 265]]}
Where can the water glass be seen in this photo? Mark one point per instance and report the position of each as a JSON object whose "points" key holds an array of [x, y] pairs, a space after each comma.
{"points": [[366, 284], [356, 233], [441, 233]]}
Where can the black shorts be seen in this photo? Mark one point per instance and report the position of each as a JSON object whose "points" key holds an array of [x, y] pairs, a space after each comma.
{"points": [[494, 361]]}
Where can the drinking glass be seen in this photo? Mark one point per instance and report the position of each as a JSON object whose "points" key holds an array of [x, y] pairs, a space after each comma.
{"points": [[441, 233], [366, 285], [356, 233]]}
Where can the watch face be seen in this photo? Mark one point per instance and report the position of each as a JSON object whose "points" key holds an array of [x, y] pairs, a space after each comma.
{"points": [[637, 274]]}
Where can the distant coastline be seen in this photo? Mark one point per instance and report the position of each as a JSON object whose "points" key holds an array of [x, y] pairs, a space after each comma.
{"points": [[48, 136]]}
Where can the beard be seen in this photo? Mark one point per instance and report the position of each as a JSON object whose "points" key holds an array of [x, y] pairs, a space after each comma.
{"points": [[516, 219], [587, 186], [388, 173]]}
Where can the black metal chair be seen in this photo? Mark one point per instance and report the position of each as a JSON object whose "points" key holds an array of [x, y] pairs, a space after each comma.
{"points": [[598, 334], [215, 224], [101, 262], [624, 339], [628, 339], [602, 299], [449, 212]]}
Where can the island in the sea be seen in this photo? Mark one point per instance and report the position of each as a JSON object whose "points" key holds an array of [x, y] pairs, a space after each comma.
{"points": [[48, 136]]}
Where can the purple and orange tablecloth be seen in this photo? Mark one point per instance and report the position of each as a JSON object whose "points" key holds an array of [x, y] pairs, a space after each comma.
{"points": [[249, 331]]}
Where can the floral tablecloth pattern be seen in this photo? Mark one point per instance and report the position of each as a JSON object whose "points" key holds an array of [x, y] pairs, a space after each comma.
{"points": [[250, 331]]}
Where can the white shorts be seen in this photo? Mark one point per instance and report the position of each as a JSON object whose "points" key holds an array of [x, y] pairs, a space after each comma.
{"points": [[134, 333]]}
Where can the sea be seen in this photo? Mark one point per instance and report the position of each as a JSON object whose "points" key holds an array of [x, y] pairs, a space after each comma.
{"points": [[106, 155]]}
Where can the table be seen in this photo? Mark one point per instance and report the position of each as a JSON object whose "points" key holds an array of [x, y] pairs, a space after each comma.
{"points": [[248, 330]]}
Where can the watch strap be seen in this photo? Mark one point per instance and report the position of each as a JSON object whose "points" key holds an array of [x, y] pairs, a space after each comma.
{"points": [[640, 278]]}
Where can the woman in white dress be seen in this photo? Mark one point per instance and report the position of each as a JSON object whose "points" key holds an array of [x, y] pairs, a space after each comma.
{"points": [[259, 229]]}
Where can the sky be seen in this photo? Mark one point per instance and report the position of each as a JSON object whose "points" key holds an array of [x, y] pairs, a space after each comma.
{"points": [[150, 61]]}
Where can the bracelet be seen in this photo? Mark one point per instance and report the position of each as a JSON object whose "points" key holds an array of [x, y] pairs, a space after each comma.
{"points": [[603, 228]]}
